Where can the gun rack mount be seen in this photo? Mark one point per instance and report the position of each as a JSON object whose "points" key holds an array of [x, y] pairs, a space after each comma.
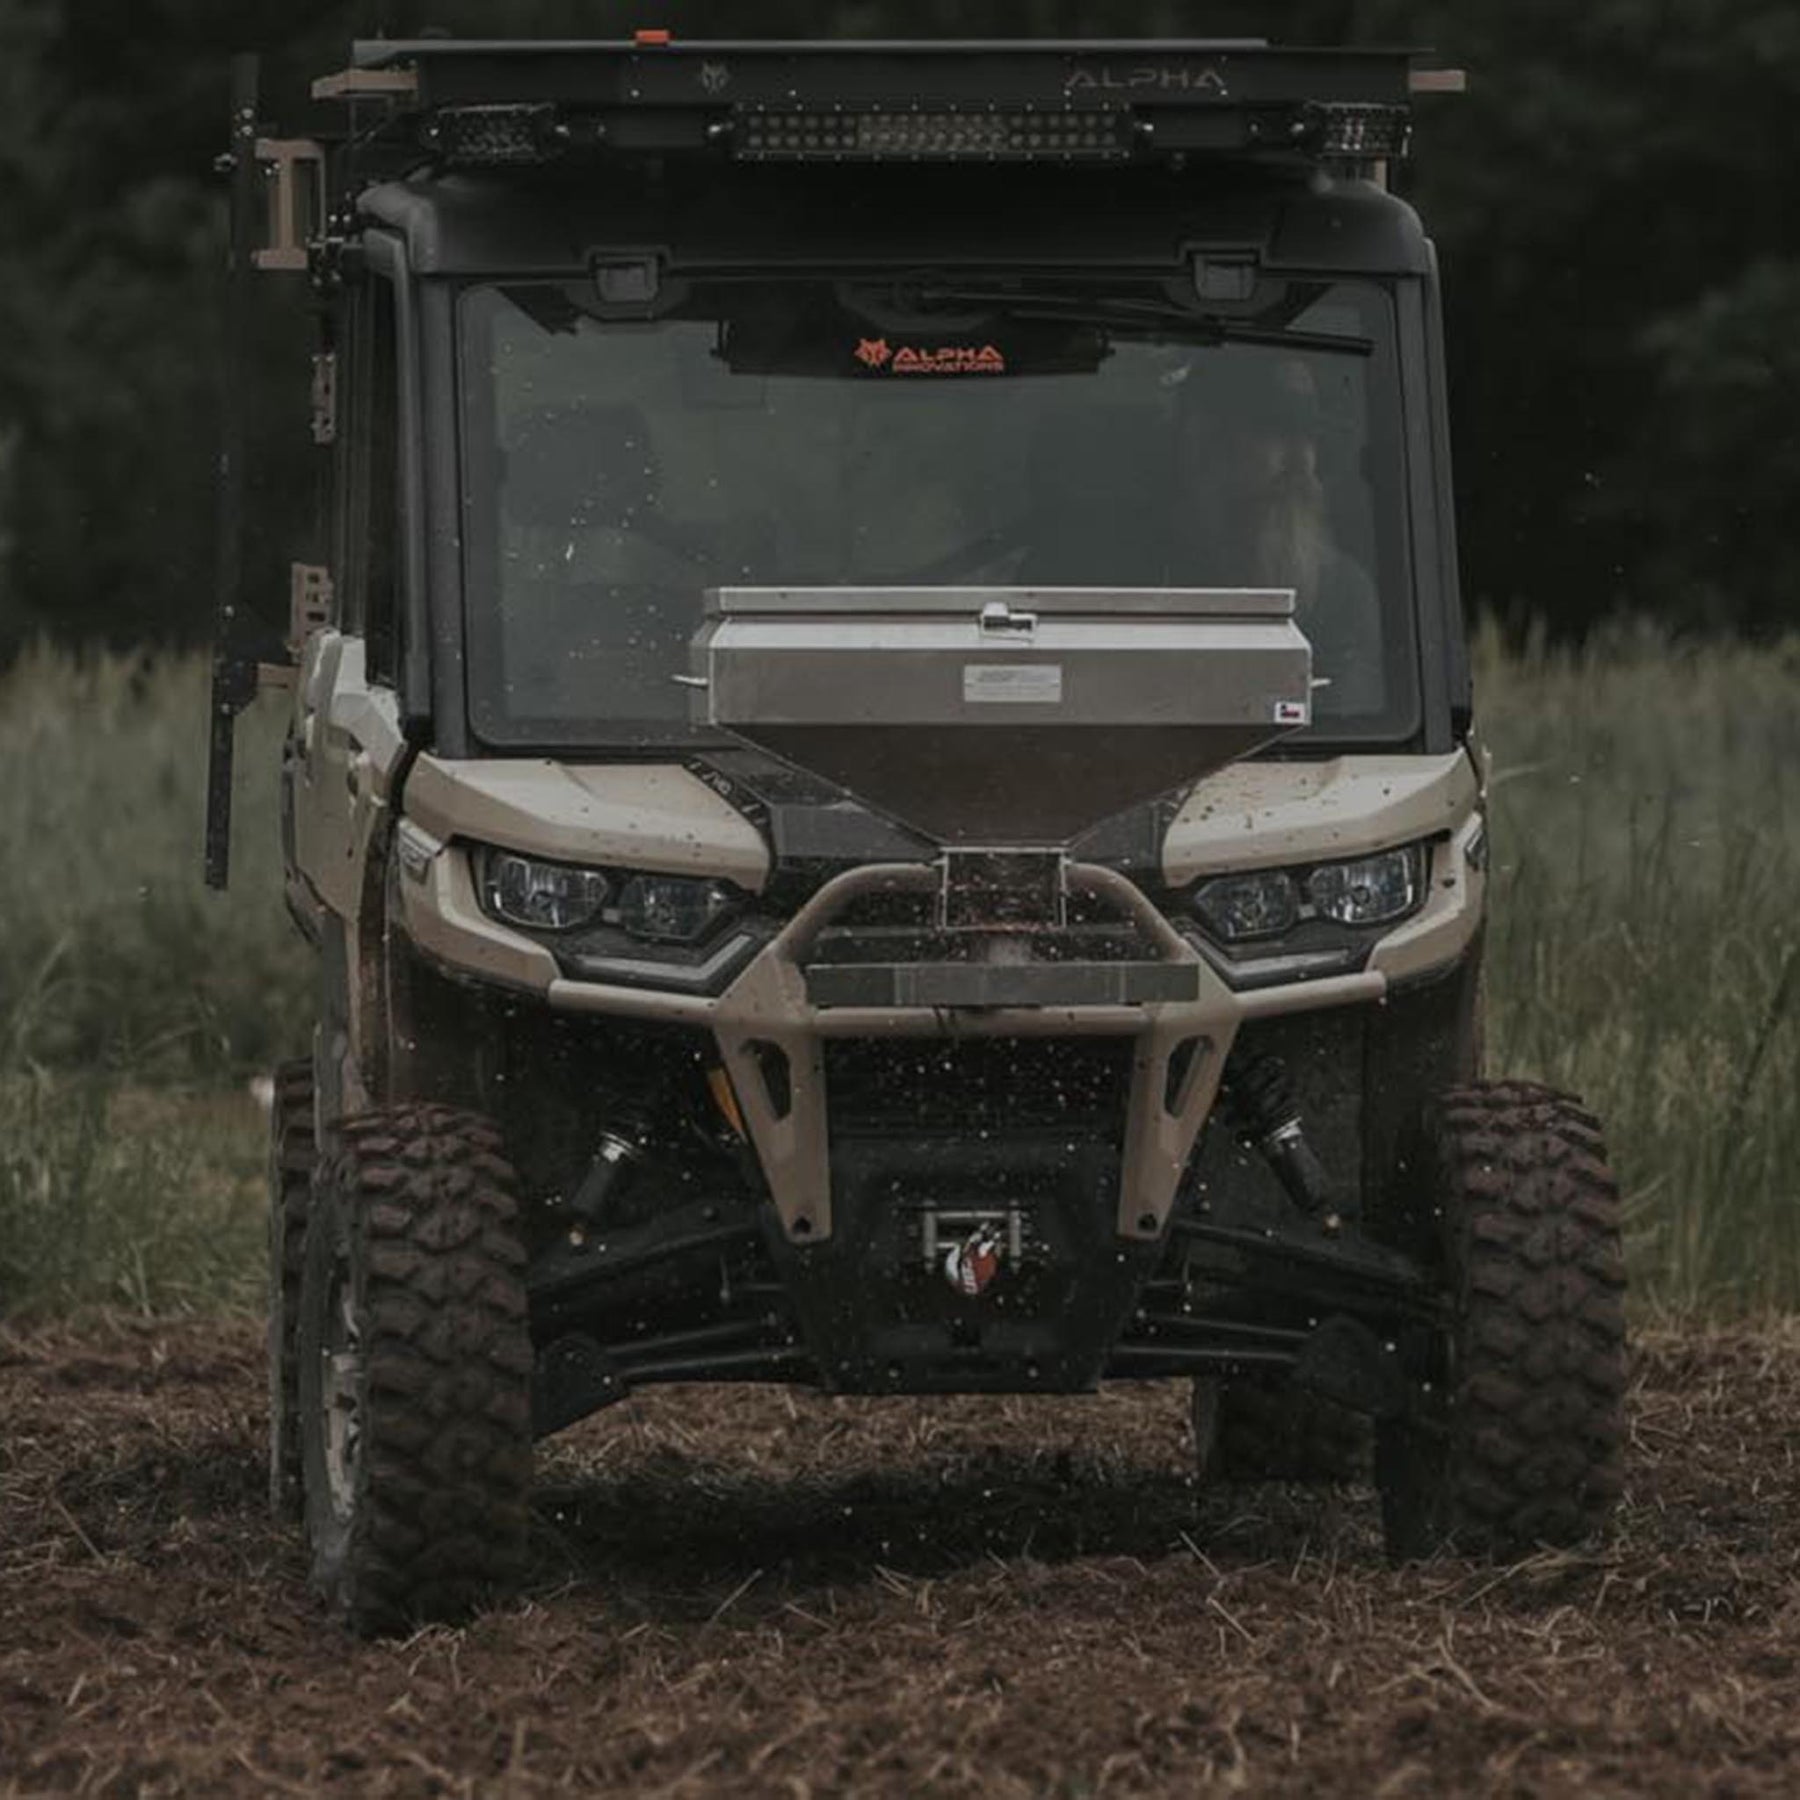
{"points": [[528, 104]]}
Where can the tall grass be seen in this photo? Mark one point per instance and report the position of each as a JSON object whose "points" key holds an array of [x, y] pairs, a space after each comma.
{"points": [[113, 955], [1644, 949], [118, 1196], [133, 1003], [1645, 939]]}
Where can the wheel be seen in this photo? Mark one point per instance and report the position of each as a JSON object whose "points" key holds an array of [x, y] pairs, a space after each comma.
{"points": [[415, 1369], [292, 1152], [1517, 1435], [1263, 1428]]}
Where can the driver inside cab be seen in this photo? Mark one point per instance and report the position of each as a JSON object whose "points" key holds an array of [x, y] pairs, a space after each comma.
{"points": [[1252, 510]]}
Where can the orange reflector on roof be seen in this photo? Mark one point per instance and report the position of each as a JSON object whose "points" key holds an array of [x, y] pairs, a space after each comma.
{"points": [[655, 37]]}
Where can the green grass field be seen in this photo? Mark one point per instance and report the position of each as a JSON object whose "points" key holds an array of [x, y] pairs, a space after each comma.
{"points": [[1645, 945], [134, 1005], [1644, 950]]}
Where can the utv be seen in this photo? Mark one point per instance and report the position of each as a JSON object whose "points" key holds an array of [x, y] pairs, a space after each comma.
{"points": [[881, 776]]}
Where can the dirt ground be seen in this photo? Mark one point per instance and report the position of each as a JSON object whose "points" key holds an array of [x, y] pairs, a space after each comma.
{"points": [[747, 1593]]}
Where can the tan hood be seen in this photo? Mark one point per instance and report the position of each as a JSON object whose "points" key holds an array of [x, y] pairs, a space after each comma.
{"points": [[634, 815], [1266, 814]]}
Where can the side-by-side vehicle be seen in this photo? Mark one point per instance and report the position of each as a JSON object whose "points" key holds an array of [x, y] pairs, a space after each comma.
{"points": [[881, 775]]}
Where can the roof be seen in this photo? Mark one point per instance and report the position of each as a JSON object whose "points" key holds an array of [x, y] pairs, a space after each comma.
{"points": [[761, 219]]}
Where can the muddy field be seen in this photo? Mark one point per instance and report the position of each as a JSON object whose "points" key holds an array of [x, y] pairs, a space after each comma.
{"points": [[755, 1594]]}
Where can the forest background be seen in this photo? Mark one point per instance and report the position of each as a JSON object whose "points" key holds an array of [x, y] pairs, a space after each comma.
{"points": [[1617, 202]]}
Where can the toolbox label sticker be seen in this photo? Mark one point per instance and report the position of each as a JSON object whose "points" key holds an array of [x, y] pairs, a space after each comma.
{"points": [[1292, 712], [1013, 684]]}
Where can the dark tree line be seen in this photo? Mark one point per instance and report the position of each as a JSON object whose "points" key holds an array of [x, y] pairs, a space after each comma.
{"points": [[1617, 201]]}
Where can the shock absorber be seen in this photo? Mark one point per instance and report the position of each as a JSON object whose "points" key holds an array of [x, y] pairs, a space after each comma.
{"points": [[622, 1147], [1263, 1103]]}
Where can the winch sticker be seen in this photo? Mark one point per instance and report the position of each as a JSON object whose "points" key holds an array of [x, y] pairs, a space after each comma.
{"points": [[1012, 684], [970, 1267], [881, 358]]}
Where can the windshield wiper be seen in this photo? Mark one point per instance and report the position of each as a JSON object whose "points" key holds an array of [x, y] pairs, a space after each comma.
{"points": [[1123, 312], [1330, 343]]}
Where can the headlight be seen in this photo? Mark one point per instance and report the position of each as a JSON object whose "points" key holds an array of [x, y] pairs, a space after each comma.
{"points": [[674, 909], [543, 896], [1369, 892], [553, 896], [1235, 907], [1373, 890]]}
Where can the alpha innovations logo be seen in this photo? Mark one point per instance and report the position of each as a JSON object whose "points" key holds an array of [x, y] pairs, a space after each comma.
{"points": [[881, 358]]}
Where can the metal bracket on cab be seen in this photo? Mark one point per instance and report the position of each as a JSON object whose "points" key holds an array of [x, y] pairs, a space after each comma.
{"points": [[297, 205]]}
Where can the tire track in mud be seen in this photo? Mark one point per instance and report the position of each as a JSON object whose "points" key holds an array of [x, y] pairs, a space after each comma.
{"points": [[758, 1592]]}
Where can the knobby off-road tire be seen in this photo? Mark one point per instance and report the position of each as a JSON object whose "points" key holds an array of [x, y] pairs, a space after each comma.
{"points": [[292, 1154], [415, 1371], [1263, 1428], [1521, 1439]]}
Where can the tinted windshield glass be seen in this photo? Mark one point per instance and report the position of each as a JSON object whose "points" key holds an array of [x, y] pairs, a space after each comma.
{"points": [[815, 433]]}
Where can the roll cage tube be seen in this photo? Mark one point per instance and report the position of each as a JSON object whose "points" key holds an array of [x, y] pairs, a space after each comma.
{"points": [[1458, 672], [445, 578], [386, 257], [1423, 489]]}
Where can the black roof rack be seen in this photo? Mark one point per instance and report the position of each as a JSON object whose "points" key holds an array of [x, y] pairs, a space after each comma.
{"points": [[473, 103]]}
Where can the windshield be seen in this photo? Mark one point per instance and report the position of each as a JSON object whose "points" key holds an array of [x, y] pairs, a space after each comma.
{"points": [[817, 433]]}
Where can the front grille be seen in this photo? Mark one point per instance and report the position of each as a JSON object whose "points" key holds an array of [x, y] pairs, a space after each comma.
{"points": [[904, 928], [981, 1087]]}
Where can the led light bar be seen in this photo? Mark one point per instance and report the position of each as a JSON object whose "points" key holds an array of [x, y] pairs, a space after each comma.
{"points": [[509, 136], [1025, 135]]}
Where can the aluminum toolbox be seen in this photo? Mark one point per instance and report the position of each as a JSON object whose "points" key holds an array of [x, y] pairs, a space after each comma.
{"points": [[1003, 716]]}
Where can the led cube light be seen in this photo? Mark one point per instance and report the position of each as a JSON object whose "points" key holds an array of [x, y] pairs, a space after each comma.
{"points": [[1360, 131], [494, 136]]}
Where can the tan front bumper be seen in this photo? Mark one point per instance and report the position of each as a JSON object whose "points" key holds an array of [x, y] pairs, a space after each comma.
{"points": [[767, 1012]]}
